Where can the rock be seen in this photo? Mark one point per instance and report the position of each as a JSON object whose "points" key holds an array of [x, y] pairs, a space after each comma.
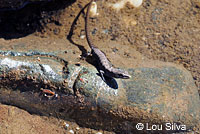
{"points": [[153, 96], [169, 93], [156, 94]]}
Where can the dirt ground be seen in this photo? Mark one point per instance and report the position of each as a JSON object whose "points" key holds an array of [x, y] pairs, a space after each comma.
{"points": [[162, 30], [17, 121]]}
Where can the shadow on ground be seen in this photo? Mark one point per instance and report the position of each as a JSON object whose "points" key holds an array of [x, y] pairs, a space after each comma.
{"points": [[33, 17]]}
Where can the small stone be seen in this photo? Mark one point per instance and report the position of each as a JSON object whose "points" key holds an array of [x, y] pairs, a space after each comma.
{"points": [[93, 9], [94, 31], [99, 133], [77, 128], [38, 58], [65, 81], [119, 5], [66, 125], [135, 3], [82, 36], [133, 22], [56, 31], [105, 31], [71, 131]]}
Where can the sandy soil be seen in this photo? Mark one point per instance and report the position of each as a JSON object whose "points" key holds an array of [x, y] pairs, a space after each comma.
{"points": [[160, 30], [16, 121]]}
